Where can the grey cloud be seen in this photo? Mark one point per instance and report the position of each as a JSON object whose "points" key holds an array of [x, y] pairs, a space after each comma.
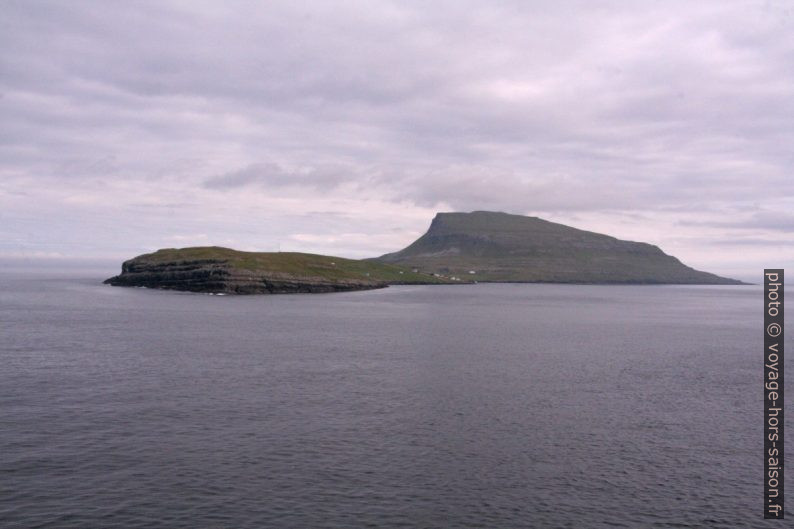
{"points": [[769, 221], [761, 243], [273, 175], [518, 106], [261, 173]]}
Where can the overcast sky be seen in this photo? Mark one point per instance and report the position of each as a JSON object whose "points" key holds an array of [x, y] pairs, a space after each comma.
{"points": [[343, 127]]}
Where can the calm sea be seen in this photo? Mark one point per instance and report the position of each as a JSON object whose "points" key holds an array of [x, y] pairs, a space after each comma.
{"points": [[493, 406]]}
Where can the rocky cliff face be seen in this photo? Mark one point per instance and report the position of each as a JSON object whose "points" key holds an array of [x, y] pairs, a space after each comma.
{"points": [[490, 246], [222, 276]]}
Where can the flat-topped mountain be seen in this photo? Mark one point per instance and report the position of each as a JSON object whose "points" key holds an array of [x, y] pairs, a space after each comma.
{"points": [[222, 270], [491, 246]]}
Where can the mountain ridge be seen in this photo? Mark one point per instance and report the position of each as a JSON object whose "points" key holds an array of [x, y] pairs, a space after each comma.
{"points": [[501, 247]]}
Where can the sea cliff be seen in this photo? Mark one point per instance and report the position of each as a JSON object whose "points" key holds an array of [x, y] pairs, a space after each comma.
{"points": [[223, 270]]}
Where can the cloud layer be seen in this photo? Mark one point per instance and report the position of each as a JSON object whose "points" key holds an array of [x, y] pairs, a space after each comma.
{"points": [[342, 127]]}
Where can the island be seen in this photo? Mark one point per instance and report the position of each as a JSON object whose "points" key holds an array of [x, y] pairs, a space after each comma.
{"points": [[220, 270], [458, 248]]}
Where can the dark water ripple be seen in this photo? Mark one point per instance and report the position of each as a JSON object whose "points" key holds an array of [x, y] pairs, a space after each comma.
{"points": [[467, 406]]}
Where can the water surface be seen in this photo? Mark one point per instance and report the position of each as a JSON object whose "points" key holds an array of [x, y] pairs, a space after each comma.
{"points": [[417, 406]]}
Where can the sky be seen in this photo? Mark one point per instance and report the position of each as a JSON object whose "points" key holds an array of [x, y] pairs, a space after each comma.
{"points": [[343, 127]]}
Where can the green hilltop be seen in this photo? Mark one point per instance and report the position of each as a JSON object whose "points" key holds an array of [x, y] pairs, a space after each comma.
{"points": [[293, 264]]}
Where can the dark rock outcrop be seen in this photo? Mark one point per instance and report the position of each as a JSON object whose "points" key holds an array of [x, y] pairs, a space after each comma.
{"points": [[221, 276]]}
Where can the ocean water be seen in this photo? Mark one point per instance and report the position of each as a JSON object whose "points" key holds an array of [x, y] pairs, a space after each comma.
{"points": [[493, 406]]}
